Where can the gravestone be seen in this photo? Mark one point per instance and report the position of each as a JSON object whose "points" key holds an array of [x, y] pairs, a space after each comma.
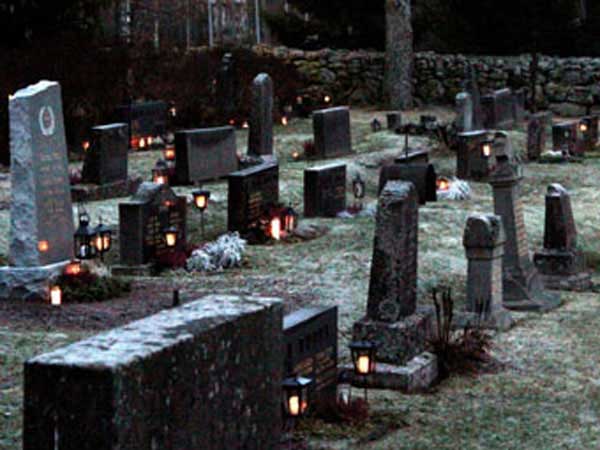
{"points": [[325, 190], [469, 151], [106, 159], [310, 338], [142, 221], [227, 91], [394, 120], [519, 112], [484, 241], [41, 214], [464, 112], [260, 136], [588, 136], [471, 87], [332, 132], [206, 375], [537, 132], [204, 154], [498, 110], [413, 155], [252, 192], [523, 289], [564, 137], [392, 320], [145, 119], [561, 263], [422, 176]]}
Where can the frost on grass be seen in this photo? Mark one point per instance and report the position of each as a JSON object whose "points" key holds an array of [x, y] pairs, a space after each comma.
{"points": [[226, 252]]}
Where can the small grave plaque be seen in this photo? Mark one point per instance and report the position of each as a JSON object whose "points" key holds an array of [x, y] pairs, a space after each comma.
{"points": [[332, 132], [325, 190], [106, 159], [251, 192], [311, 348], [204, 154], [143, 219]]}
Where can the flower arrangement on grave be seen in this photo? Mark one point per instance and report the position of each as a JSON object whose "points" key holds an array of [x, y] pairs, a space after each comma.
{"points": [[80, 283], [225, 253]]}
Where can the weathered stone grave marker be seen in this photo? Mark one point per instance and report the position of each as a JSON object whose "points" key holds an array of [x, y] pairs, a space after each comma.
{"points": [[498, 110], [227, 92], [143, 219], [204, 154], [394, 120], [251, 192], [561, 263], [325, 190], [260, 136], [588, 134], [536, 134], [564, 137], [106, 159], [484, 241], [422, 176], [332, 132], [310, 336], [41, 215], [206, 375], [523, 289], [469, 151]]}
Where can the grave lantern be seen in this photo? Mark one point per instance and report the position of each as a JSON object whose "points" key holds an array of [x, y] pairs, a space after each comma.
{"points": [[284, 121], [442, 184], [327, 99], [245, 125], [171, 234], [43, 246], [358, 187], [295, 155], [290, 219], [160, 173], [201, 198], [85, 247], [85, 145], [583, 127], [55, 296], [295, 396], [275, 228], [363, 357], [486, 149], [73, 268], [103, 238], [169, 154]]}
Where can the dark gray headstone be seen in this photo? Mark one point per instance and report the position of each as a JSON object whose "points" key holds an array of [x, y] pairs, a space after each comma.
{"points": [[498, 110], [332, 132], [564, 137], [142, 220], [422, 176], [394, 120], [251, 193], [325, 190], [310, 336], [393, 285], [260, 137], [537, 134], [41, 229], [206, 375], [519, 111], [204, 154], [471, 87], [469, 153], [589, 135], [561, 262], [145, 119], [227, 91], [464, 112], [106, 159]]}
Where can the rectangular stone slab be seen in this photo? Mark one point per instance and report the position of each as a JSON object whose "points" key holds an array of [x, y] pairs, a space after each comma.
{"points": [[106, 159], [310, 337], [332, 132], [325, 190], [205, 376], [41, 216], [204, 154], [145, 119]]}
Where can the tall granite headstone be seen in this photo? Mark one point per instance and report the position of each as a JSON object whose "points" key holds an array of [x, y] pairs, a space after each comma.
{"points": [[464, 112], [41, 215], [252, 192], [106, 159], [143, 219], [469, 151], [392, 319], [325, 190], [523, 289], [561, 263], [484, 241], [204, 154], [332, 132], [206, 375], [260, 137]]}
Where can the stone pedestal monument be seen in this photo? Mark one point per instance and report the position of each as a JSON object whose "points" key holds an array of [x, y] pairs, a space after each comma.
{"points": [[560, 263], [393, 320], [484, 241], [41, 214], [522, 286]]}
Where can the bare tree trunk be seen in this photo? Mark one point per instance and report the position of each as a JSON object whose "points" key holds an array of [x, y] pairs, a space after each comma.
{"points": [[399, 57]]}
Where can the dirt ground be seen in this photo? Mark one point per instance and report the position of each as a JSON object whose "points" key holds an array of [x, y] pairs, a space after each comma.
{"points": [[547, 396]]}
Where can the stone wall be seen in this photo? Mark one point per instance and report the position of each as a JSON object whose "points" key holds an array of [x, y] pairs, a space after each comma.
{"points": [[206, 376], [565, 85]]}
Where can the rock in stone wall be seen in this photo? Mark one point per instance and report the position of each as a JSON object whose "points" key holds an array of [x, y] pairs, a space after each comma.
{"points": [[206, 375], [355, 77]]}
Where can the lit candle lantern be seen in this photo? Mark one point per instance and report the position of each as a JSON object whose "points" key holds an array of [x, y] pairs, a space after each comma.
{"points": [[56, 296], [160, 173], [284, 121], [170, 154], [73, 268], [149, 140], [245, 125], [486, 149], [327, 99], [295, 395], [43, 246], [201, 198], [275, 228], [86, 146], [170, 235], [135, 142], [295, 155], [363, 357], [231, 122], [290, 219], [443, 184], [583, 127], [294, 406], [363, 365], [142, 143]]}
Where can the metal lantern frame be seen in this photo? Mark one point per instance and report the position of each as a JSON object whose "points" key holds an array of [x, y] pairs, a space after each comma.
{"points": [[290, 219], [161, 169], [198, 194], [84, 238], [168, 231], [104, 237], [360, 349], [295, 387], [170, 153], [487, 144], [358, 187]]}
